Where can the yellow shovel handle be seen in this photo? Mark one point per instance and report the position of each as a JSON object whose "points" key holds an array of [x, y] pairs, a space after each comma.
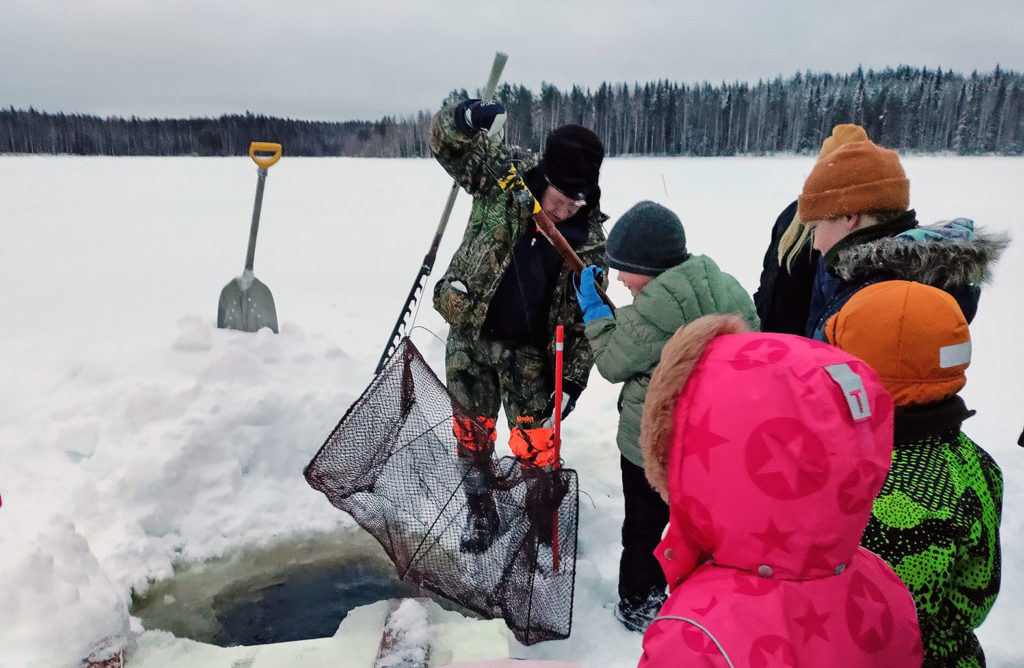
{"points": [[264, 147]]}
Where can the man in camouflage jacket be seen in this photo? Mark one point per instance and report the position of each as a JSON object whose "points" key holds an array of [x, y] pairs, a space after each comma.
{"points": [[507, 289]]}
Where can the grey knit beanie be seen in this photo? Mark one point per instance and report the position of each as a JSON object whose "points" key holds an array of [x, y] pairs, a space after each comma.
{"points": [[647, 239]]}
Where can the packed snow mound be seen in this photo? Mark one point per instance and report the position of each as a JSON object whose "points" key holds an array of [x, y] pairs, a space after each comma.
{"points": [[156, 467], [51, 582]]}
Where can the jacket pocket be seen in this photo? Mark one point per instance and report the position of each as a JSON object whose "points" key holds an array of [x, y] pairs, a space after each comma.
{"points": [[452, 300]]}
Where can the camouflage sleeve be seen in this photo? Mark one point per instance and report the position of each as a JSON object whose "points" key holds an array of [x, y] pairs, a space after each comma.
{"points": [[465, 158]]}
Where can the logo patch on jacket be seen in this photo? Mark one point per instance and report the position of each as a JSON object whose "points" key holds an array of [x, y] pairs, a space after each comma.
{"points": [[853, 389]]}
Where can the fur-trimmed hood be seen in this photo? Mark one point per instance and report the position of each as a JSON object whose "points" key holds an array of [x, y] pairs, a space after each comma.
{"points": [[946, 255], [769, 449], [678, 359]]}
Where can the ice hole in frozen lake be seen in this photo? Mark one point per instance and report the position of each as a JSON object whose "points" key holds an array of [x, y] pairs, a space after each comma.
{"points": [[292, 590]]}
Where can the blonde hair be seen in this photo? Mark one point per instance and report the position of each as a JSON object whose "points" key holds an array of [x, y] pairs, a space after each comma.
{"points": [[792, 241]]}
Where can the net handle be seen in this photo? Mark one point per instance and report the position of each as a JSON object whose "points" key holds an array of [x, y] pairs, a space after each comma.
{"points": [[559, 347]]}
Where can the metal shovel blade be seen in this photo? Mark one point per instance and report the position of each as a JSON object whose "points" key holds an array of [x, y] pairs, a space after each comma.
{"points": [[246, 305]]}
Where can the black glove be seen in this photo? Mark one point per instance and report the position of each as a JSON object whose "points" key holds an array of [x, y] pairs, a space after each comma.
{"points": [[570, 393], [474, 116]]}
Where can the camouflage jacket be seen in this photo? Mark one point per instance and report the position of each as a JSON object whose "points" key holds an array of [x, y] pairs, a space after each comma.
{"points": [[496, 223]]}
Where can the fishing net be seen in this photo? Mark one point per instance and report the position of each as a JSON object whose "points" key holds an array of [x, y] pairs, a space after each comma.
{"points": [[392, 463]]}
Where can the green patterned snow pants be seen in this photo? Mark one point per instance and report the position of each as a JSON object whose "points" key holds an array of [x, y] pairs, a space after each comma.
{"points": [[484, 375]]}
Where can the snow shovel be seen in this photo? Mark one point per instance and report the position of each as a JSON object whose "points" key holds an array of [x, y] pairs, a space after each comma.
{"points": [[246, 303]]}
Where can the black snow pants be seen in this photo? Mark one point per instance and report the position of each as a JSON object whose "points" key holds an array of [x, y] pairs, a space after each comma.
{"points": [[640, 574]]}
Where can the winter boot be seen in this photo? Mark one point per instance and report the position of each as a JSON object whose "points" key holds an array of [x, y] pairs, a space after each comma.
{"points": [[637, 614], [482, 522]]}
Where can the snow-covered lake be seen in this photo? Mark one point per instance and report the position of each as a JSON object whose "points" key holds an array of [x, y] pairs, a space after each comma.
{"points": [[135, 434]]}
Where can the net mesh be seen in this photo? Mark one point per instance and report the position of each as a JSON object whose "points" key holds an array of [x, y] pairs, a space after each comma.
{"points": [[392, 463]]}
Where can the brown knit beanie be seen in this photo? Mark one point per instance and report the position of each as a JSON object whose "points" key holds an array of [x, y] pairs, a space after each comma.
{"points": [[854, 178], [913, 335], [841, 134]]}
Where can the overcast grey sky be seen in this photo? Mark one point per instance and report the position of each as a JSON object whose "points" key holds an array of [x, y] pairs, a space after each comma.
{"points": [[343, 60]]}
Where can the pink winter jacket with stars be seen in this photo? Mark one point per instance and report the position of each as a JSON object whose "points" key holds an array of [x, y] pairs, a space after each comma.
{"points": [[769, 450]]}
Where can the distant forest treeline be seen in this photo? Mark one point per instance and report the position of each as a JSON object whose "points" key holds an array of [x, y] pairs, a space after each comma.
{"points": [[909, 109]]}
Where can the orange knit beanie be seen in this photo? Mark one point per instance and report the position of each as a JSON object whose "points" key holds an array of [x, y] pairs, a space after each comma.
{"points": [[841, 134], [913, 335], [855, 178]]}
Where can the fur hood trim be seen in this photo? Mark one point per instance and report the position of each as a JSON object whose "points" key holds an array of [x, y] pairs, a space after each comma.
{"points": [[940, 262], [678, 360]]}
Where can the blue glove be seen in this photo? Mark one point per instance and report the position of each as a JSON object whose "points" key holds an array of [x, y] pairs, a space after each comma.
{"points": [[474, 116], [586, 294]]}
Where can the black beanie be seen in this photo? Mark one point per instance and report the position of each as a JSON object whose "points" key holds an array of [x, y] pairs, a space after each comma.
{"points": [[647, 239], [572, 160]]}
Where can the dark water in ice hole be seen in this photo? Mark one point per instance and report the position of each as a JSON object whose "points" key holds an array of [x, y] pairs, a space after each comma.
{"points": [[294, 590], [308, 604]]}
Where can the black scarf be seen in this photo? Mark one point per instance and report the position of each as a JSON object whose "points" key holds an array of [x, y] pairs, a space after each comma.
{"points": [[915, 423]]}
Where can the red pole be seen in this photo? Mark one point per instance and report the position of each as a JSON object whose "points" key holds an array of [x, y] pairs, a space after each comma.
{"points": [[559, 345]]}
